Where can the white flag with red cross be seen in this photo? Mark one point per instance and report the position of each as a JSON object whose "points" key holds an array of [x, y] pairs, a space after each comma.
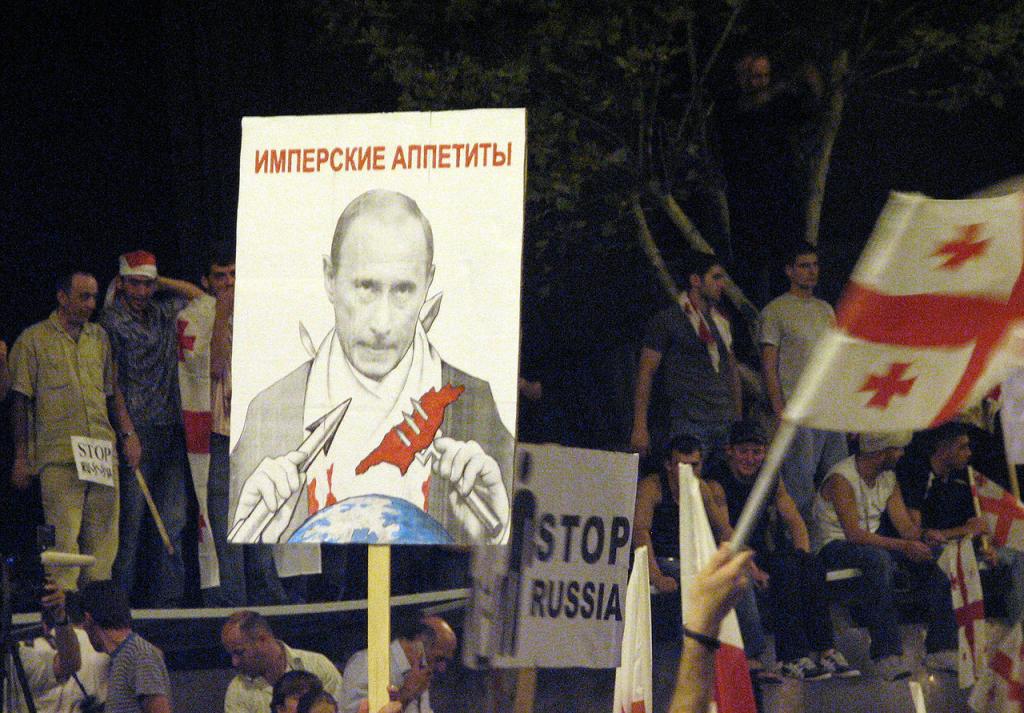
{"points": [[1000, 686], [1003, 513], [961, 567], [195, 328], [634, 687], [931, 320]]}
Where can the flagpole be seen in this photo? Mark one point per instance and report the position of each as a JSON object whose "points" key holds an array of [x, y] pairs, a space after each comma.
{"points": [[764, 486]]}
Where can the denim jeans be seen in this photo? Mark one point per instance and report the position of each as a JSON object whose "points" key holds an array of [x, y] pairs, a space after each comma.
{"points": [[800, 602], [810, 457], [165, 469], [247, 572], [877, 602]]}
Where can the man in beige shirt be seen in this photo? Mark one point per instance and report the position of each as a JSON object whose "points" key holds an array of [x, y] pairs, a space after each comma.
{"points": [[261, 659], [64, 385]]}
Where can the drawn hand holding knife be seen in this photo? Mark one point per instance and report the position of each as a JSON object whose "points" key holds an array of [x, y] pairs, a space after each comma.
{"points": [[477, 495], [270, 494]]}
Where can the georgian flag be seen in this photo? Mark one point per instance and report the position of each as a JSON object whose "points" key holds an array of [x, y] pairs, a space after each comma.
{"points": [[633, 678], [1000, 686], [930, 321], [195, 328], [1003, 513], [733, 690], [961, 567]]}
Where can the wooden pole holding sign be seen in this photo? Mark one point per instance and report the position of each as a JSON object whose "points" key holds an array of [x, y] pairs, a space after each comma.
{"points": [[526, 690], [378, 624]]}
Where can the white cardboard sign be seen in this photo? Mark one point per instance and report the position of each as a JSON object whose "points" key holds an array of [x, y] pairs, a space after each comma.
{"points": [[95, 459], [555, 596]]}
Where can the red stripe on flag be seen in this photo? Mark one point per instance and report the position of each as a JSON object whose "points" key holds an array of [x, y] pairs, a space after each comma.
{"points": [[733, 691], [1003, 666], [916, 320], [198, 425], [638, 707], [970, 612]]}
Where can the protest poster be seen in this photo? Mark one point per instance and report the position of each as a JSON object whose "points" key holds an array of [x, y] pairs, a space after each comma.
{"points": [[376, 327], [555, 596], [95, 459]]}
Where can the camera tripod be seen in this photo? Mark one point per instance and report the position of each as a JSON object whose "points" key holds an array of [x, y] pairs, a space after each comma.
{"points": [[12, 671]]}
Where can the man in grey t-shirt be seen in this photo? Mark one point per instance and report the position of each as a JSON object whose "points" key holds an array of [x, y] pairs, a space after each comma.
{"points": [[138, 680], [790, 326], [687, 371]]}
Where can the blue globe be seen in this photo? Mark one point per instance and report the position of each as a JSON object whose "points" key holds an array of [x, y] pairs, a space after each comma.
{"points": [[374, 520]]}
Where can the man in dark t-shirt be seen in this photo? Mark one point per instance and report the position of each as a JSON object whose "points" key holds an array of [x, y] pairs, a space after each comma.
{"points": [[793, 578], [943, 501]]}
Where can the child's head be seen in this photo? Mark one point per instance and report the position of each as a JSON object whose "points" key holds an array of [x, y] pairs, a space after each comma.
{"points": [[317, 702], [290, 688]]}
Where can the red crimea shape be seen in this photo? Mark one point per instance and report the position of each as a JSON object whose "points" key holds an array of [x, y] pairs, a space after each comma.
{"points": [[392, 450], [184, 341], [888, 385], [965, 247]]}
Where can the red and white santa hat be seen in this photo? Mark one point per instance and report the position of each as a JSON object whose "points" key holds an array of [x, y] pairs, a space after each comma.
{"points": [[138, 264]]}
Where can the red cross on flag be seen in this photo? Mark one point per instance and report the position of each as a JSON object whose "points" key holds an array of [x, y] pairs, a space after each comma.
{"points": [[1003, 513], [932, 319]]}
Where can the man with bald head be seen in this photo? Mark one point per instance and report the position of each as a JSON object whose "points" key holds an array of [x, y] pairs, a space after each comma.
{"points": [[379, 357], [423, 648], [261, 659]]}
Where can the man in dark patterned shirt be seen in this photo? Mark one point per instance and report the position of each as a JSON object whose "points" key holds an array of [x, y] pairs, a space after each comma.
{"points": [[142, 331], [138, 682]]}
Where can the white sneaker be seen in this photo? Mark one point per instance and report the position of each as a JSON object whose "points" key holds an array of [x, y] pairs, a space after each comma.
{"points": [[835, 663], [892, 668], [946, 660], [804, 669]]}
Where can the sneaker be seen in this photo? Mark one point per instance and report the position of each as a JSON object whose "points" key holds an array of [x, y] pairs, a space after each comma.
{"points": [[835, 663], [762, 675], [946, 661], [892, 668], [804, 669]]}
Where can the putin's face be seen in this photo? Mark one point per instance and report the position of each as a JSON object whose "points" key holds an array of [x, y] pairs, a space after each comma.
{"points": [[377, 289]]}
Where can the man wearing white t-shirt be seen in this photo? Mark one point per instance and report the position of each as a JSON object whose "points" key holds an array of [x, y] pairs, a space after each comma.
{"points": [[789, 328], [848, 512], [62, 668]]}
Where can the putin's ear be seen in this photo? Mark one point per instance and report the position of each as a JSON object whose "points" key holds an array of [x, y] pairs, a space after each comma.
{"points": [[329, 277]]}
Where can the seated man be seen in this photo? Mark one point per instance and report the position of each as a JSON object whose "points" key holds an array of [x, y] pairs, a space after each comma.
{"points": [[941, 502], [61, 667], [848, 512], [783, 565], [262, 660], [424, 646], [656, 519]]}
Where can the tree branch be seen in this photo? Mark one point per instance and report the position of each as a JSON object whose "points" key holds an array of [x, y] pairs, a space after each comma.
{"points": [[651, 248], [697, 242], [696, 95]]}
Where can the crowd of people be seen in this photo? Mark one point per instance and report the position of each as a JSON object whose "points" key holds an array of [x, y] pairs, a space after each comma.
{"points": [[89, 658], [113, 385], [875, 511]]}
